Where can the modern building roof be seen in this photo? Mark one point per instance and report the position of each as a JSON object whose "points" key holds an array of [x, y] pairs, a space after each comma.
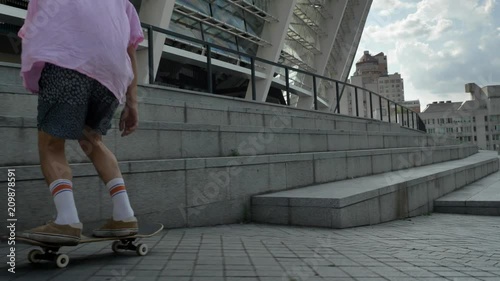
{"points": [[442, 107], [367, 58]]}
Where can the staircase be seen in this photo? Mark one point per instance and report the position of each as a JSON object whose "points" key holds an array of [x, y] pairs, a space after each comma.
{"points": [[200, 159], [478, 198]]}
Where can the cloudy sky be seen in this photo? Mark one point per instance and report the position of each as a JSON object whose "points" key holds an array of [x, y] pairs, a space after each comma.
{"points": [[437, 45]]}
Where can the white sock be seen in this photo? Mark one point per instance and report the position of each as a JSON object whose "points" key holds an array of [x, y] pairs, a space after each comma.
{"points": [[62, 192], [121, 204]]}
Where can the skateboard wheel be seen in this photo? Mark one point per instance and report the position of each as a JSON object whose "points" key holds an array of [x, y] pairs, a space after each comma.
{"points": [[142, 249], [62, 260], [33, 256], [116, 246]]}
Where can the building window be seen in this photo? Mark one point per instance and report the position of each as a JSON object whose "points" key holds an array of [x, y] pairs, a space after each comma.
{"points": [[475, 138], [486, 118], [487, 137], [486, 128], [474, 119], [474, 128]]}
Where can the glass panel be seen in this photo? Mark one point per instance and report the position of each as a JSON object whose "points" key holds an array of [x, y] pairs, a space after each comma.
{"points": [[196, 5]]}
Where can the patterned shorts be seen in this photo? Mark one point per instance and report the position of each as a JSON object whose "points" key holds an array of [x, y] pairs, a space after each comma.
{"points": [[68, 101]]}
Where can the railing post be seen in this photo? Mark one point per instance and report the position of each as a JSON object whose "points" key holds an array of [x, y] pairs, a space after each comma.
{"points": [[356, 96], [389, 110], [396, 112], [252, 78], [315, 93], [402, 116], [287, 83], [338, 96], [371, 105], [380, 107], [408, 117], [151, 55], [209, 69]]}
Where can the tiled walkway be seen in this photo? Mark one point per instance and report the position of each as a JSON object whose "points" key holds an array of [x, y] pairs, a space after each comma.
{"points": [[436, 247]]}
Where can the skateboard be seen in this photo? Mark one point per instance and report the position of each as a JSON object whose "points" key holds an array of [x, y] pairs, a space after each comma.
{"points": [[50, 251]]}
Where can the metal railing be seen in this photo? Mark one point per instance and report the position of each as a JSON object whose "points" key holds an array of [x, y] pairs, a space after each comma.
{"points": [[402, 115]]}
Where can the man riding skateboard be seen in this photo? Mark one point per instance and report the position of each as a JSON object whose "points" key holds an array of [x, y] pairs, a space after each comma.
{"points": [[79, 57]]}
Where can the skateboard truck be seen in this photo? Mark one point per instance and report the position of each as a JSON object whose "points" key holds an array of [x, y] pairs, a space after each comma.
{"points": [[48, 254], [128, 245]]}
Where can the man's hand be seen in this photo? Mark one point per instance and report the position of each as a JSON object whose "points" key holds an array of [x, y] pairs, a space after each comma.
{"points": [[129, 120]]}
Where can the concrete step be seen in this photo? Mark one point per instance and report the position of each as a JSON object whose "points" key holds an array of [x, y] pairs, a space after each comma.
{"points": [[163, 140], [372, 199], [158, 103], [479, 198], [204, 191]]}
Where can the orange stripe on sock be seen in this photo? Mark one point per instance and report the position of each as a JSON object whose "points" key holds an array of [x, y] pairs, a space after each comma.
{"points": [[117, 189], [61, 187]]}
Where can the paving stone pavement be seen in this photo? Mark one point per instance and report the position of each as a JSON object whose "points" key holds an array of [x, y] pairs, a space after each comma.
{"points": [[430, 248]]}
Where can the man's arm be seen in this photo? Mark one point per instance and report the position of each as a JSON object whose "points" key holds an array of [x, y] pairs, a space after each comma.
{"points": [[129, 119], [132, 89]]}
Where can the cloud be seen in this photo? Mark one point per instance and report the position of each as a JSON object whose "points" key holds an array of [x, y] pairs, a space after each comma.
{"points": [[438, 46], [389, 7]]}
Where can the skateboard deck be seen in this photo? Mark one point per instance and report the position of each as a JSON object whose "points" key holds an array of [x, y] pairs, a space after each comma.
{"points": [[123, 243]]}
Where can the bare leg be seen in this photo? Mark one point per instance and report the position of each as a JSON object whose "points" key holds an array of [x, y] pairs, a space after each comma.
{"points": [[103, 159], [53, 158]]}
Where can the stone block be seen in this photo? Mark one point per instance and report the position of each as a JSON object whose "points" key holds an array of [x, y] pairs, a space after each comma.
{"points": [[299, 174], [141, 145], [313, 142], [246, 119], [375, 142], [381, 163], [338, 142], [250, 180], [262, 200], [228, 144], [358, 141], [391, 142], [206, 116], [302, 123], [277, 176], [422, 210], [151, 192], [359, 166], [22, 146], [388, 207], [400, 160], [205, 186], [270, 214], [311, 216], [359, 214], [278, 120], [343, 126], [328, 170], [196, 144], [163, 113], [170, 218], [170, 143], [359, 126], [287, 143], [417, 196], [325, 124], [460, 179]]}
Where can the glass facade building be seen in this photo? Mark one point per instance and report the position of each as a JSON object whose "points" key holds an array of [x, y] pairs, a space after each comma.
{"points": [[318, 36]]}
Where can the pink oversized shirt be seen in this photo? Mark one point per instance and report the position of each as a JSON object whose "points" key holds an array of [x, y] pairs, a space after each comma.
{"points": [[89, 36]]}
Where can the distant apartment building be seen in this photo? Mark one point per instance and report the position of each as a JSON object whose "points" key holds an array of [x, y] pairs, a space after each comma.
{"points": [[476, 120], [412, 105], [372, 74]]}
